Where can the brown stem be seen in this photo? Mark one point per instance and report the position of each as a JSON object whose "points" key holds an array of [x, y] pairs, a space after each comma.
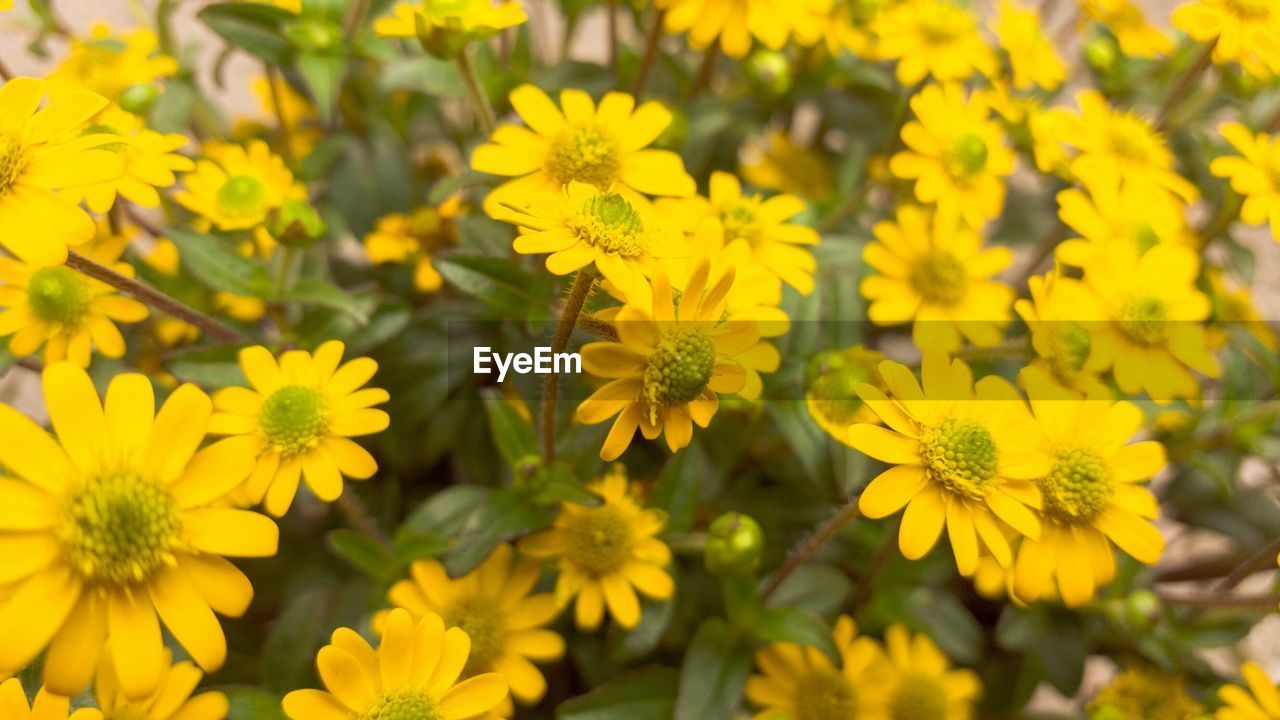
{"points": [[1264, 559], [488, 122], [1043, 251], [866, 584], [611, 14], [355, 17], [705, 71], [358, 516], [811, 546], [1273, 125], [137, 219], [1016, 347], [156, 299], [651, 42], [277, 102], [5, 73], [1224, 430], [1184, 82], [582, 284], [599, 328], [1218, 600]]}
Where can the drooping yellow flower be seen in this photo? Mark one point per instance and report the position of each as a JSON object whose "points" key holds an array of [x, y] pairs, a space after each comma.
{"points": [[605, 553], [1255, 174], [413, 674], [964, 457], [830, 388], [932, 38], [1243, 31], [416, 238], [121, 524], [776, 163], [955, 153], [495, 604], [1140, 692], [626, 240], [735, 22], [47, 706], [1109, 216], [922, 684], [299, 416], [1093, 495], [67, 313], [108, 64], [603, 146], [150, 160], [235, 187], [1136, 36], [1032, 57], [43, 151], [476, 18], [172, 700], [937, 275], [801, 682], [1058, 315], [1256, 699]]}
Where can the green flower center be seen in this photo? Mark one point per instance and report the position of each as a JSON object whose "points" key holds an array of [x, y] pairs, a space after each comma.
{"points": [[611, 224], [13, 159], [120, 528], [406, 705], [58, 295], [825, 695], [1069, 348], [1250, 9], [961, 455], [587, 153], [242, 195], [598, 540], [1078, 487], [294, 419], [833, 378], [679, 369], [484, 624], [940, 278], [919, 697], [968, 155], [1143, 237], [740, 222], [1144, 320], [432, 231]]}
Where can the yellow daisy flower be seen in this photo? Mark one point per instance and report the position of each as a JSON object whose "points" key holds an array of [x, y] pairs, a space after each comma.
{"points": [[1093, 495], [475, 18], [1136, 36], [937, 275], [1057, 316], [955, 153], [1107, 216], [495, 604], [235, 187], [299, 416], [1145, 693], [670, 363], [932, 38], [150, 161], [602, 146], [1257, 699], [1255, 174], [47, 706], [171, 701], [735, 22], [118, 471], [416, 238], [922, 684], [1243, 31], [108, 64], [776, 163], [1032, 57], [801, 682], [964, 456], [605, 553], [413, 674], [68, 313], [6, 5], [580, 225], [830, 388], [43, 151]]}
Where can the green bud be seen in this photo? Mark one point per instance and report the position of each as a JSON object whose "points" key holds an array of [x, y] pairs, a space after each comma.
{"points": [[138, 99], [1142, 608], [445, 43], [1101, 53], [313, 35], [297, 224], [529, 466], [770, 72], [735, 544]]}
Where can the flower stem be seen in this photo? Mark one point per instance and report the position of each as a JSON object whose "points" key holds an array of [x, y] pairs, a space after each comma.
{"points": [[488, 122], [1263, 559], [1273, 125], [5, 73], [277, 103], [599, 328], [651, 42], [357, 515], [611, 10], [1184, 82], [582, 284], [1219, 600], [156, 299], [705, 71], [355, 17], [807, 550]]}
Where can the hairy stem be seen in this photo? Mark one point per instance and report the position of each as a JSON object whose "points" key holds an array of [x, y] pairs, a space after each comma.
{"points": [[811, 546], [357, 515], [1178, 92], [582, 284], [1263, 559], [277, 104], [488, 122], [651, 42], [599, 328], [358, 10], [705, 71]]}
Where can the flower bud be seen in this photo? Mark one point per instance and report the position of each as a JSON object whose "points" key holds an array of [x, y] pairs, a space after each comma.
{"points": [[314, 35], [138, 99], [770, 72], [297, 224], [735, 544]]}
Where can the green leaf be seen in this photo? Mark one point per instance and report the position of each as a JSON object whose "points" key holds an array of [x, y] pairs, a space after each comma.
{"points": [[497, 283], [715, 670], [362, 552], [216, 263], [324, 73], [446, 511], [446, 186], [948, 622], [171, 112], [301, 625], [208, 368], [647, 694], [416, 546], [513, 434], [814, 587], [255, 28], [424, 74], [507, 514], [802, 434], [679, 485], [319, 292], [793, 625], [253, 704]]}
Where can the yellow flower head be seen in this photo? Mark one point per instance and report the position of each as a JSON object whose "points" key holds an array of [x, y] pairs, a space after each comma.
{"points": [[235, 187], [776, 163], [495, 604], [671, 361], [47, 706], [298, 416], [932, 38], [801, 682], [964, 457], [121, 524], [1257, 699], [955, 153], [605, 553], [1058, 316], [6, 5], [1136, 36], [1032, 57], [1244, 31], [1107, 216], [150, 161], [171, 701], [848, 27], [581, 225], [1233, 305], [109, 64], [413, 674], [1255, 174], [602, 146], [922, 684], [830, 388], [43, 151], [70, 314], [937, 274], [295, 109], [1145, 693], [416, 238], [1093, 495], [474, 18], [734, 22]]}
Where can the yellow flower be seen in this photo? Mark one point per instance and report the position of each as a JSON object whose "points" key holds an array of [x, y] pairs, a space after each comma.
{"points": [[776, 163], [939, 276], [293, 6], [956, 154], [1258, 699], [1144, 694], [109, 64], [235, 187], [171, 701], [150, 161], [298, 417], [932, 38], [1093, 495], [1233, 305], [1057, 316], [120, 525], [413, 674], [1109, 216], [830, 388], [298, 113], [605, 553], [801, 682], [42, 152], [964, 456], [602, 146], [1136, 36], [6, 5], [848, 27], [495, 605], [476, 18], [70, 314], [13, 700], [416, 238], [922, 685], [1152, 312], [1243, 31], [1255, 174], [1032, 57], [670, 363], [581, 225], [734, 22]]}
